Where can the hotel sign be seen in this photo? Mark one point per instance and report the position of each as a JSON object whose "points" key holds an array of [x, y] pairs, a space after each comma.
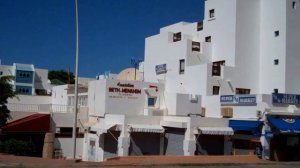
{"points": [[161, 69], [126, 88], [238, 100], [279, 98]]}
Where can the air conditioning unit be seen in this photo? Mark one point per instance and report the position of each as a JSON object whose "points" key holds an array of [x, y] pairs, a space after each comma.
{"points": [[157, 112], [227, 112]]}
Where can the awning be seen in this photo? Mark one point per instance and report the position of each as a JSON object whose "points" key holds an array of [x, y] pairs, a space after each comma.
{"points": [[286, 124], [216, 130], [103, 128], [36, 123], [152, 92], [173, 124], [146, 128], [245, 125]]}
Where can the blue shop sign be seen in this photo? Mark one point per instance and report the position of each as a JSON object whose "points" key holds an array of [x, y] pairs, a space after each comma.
{"points": [[238, 100], [279, 98], [161, 69]]}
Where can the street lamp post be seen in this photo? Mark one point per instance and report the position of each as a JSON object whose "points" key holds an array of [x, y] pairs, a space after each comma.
{"points": [[76, 83]]}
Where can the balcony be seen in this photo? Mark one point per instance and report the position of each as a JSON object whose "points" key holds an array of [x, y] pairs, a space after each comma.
{"points": [[50, 108]]}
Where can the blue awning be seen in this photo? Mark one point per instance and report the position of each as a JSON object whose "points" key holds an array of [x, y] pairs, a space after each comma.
{"points": [[286, 125], [245, 125]]}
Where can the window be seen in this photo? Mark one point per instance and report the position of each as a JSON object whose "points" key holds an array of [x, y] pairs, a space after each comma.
{"points": [[216, 69], [24, 76], [181, 66], [24, 90], [294, 5], [199, 26], [176, 36], [1, 73], [216, 90], [66, 132], [276, 33], [208, 39], [212, 13], [151, 101], [242, 91], [195, 46], [276, 61]]}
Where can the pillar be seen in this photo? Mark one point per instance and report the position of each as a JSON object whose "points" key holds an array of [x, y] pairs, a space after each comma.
{"points": [[265, 142], [189, 147], [124, 142]]}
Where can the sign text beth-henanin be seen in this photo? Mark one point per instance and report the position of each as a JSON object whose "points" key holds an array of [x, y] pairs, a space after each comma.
{"points": [[124, 90]]}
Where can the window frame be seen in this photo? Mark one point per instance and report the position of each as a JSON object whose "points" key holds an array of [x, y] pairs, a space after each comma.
{"points": [[177, 36], [211, 13], [154, 101], [208, 39], [181, 66], [276, 33], [218, 90], [242, 91]]}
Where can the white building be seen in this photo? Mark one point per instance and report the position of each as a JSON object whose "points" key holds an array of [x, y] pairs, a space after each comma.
{"points": [[141, 118], [241, 47], [218, 87], [28, 80]]}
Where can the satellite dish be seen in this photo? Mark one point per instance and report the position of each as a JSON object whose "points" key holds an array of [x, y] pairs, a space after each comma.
{"points": [[129, 73]]}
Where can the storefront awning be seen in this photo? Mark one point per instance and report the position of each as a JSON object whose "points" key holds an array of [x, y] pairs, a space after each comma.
{"points": [[102, 128], [36, 123], [286, 125], [216, 130], [245, 125], [146, 128]]}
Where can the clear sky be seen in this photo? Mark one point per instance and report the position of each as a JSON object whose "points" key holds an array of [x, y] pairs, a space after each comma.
{"points": [[42, 32]]}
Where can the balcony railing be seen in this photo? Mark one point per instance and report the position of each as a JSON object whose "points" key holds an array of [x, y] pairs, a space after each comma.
{"points": [[53, 108]]}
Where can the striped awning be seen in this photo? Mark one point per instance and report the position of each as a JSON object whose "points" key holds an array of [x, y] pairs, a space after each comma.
{"points": [[146, 128], [216, 130]]}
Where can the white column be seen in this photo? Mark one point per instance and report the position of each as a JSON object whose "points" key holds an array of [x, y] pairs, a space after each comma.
{"points": [[100, 149], [124, 142], [227, 145], [189, 147], [162, 144], [265, 142], [189, 142]]}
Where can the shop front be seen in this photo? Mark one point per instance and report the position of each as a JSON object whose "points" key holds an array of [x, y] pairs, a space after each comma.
{"points": [[284, 137], [212, 140], [281, 131], [245, 140], [146, 140]]}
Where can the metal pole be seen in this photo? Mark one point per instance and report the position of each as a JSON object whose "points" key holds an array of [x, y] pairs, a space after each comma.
{"points": [[76, 82]]}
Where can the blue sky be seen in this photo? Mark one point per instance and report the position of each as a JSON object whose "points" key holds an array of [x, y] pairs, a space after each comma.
{"points": [[42, 32]]}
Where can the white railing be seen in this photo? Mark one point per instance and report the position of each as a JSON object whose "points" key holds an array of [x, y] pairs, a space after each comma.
{"points": [[54, 108]]}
